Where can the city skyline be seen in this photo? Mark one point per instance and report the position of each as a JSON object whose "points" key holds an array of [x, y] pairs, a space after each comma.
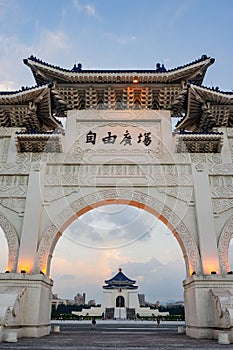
{"points": [[115, 35]]}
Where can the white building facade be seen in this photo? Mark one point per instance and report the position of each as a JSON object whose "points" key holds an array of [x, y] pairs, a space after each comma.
{"points": [[120, 301]]}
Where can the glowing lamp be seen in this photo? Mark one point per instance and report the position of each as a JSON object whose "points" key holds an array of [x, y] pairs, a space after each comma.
{"points": [[210, 266], [25, 265], [135, 80]]}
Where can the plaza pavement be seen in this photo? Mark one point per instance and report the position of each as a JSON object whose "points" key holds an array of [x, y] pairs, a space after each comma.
{"points": [[109, 335]]}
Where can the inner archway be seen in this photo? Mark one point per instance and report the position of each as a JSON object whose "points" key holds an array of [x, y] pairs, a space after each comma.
{"points": [[93, 247], [129, 198]]}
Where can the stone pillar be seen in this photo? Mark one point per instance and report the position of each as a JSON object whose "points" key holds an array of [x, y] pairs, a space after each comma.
{"points": [[71, 131], [32, 217], [205, 220], [226, 149], [29, 315], [205, 317]]}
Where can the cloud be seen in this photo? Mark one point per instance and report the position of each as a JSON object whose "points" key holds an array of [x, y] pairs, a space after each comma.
{"points": [[153, 278], [122, 40], [112, 226], [183, 8], [89, 9], [8, 85], [5, 5], [52, 43], [125, 40], [14, 73]]}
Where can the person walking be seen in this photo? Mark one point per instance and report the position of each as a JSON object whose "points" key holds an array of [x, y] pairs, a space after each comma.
{"points": [[158, 320], [93, 323]]}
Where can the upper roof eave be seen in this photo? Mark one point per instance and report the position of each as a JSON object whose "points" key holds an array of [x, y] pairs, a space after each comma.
{"points": [[199, 96], [23, 95], [40, 95], [195, 70]]}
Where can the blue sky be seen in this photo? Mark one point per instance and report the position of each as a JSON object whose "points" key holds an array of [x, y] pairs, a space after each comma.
{"points": [[116, 34]]}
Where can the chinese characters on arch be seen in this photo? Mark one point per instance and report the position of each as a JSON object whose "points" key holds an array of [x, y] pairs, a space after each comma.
{"points": [[124, 139]]}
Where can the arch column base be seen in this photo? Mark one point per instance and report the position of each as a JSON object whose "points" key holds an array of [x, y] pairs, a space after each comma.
{"points": [[208, 303], [26, 305]]}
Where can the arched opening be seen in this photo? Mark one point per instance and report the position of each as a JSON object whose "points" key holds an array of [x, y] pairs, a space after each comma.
{"points": [[4, 252], [93, 247], [120, 301]]}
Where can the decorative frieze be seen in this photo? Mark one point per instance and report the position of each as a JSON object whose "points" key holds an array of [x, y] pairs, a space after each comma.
{"points": [[198, 158], [221, 186], [229, 132], [89, 175], [221, 169], [6, 132], [221, 205], [13, 186]]}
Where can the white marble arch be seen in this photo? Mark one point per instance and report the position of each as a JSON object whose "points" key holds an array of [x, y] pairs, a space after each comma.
{"points": [[12, 242], [134, 198], [223, 245]]}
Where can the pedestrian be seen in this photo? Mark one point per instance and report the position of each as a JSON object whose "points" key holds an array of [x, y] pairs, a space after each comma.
{"points": [[93, 323], [158, 321]]}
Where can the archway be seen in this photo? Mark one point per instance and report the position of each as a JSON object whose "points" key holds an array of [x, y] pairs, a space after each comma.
{"points": [[137, 199], [113, 236]]}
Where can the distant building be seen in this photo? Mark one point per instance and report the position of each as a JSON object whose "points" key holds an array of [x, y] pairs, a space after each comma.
{"points": [[176, 304], [142, 300], [91, 302], [120, 301], [80, 299], [56, 301]]}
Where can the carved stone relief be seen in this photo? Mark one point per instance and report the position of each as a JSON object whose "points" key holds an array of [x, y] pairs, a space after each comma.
{"points": [[221, 205], [221, 186], [229, 132], [12, 240], [89, 175], [184, 194], [221, 169], [223, 245], [13, 186], [17, 205]]}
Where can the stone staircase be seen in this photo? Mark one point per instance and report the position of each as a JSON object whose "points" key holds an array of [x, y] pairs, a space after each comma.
{"points": [[130, 313], [109, 313]]}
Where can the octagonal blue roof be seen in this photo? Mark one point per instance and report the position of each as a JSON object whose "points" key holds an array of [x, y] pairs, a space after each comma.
{"points": [[120, 280]]}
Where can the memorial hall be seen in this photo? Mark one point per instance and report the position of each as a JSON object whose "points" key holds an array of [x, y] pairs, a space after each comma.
{"points": [[156, 139], [120, 301]]}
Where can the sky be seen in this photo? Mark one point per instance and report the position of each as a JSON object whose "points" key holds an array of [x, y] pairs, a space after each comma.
{"points": [[115, 34]]}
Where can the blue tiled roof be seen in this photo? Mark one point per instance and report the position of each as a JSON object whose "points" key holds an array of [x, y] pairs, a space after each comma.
{"points": [[120, 280]]}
